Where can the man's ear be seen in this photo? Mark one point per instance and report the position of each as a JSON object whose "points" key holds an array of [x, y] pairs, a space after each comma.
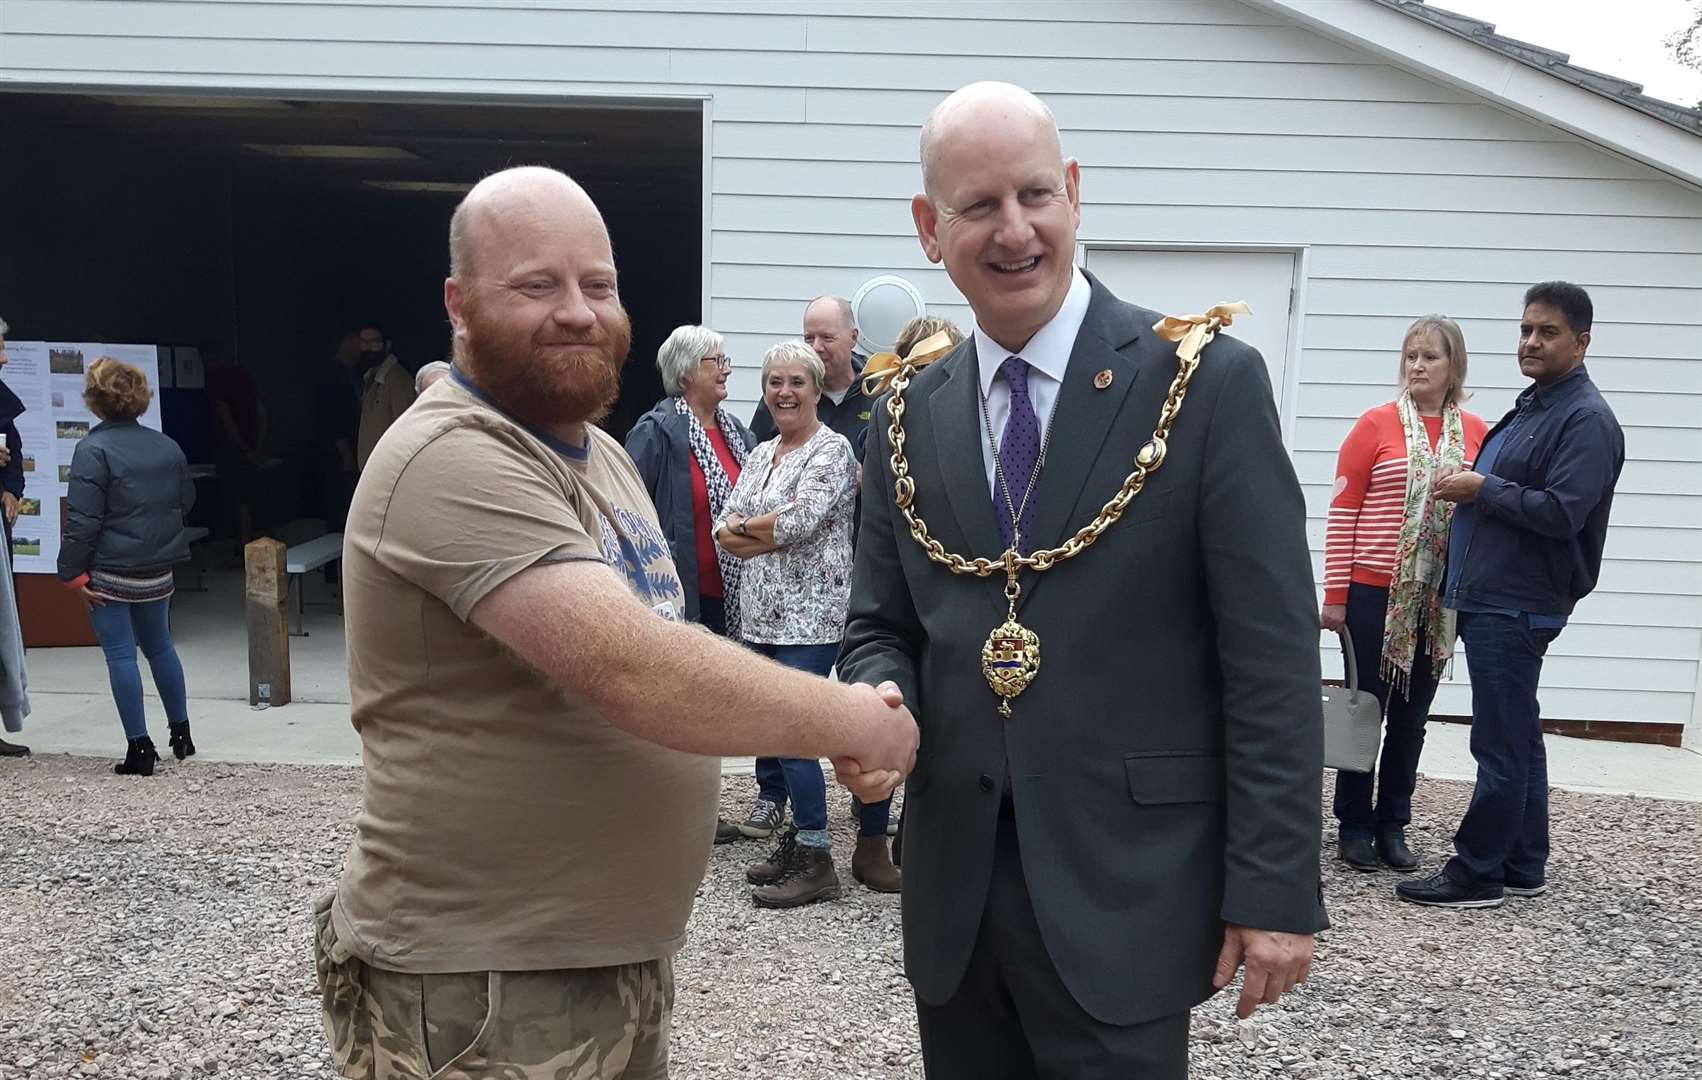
{"points": [[927, 225], [1072, 187], [453, 298]]}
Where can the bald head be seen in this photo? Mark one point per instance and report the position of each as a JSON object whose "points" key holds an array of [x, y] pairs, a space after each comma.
{"points": [[962, 121], [515, 198]]}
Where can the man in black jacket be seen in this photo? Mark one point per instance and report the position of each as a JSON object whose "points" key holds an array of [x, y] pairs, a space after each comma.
{"points": [[831, 331], [1526, 546]]}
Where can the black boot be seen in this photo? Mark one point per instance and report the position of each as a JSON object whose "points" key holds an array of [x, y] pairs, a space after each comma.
{"points": [[1357, 851], [182, 745], [139, 759], [13, 749], [1392, 849]]}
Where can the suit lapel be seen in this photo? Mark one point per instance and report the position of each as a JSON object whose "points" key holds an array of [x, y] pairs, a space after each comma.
{"points": [[1082, 417]]}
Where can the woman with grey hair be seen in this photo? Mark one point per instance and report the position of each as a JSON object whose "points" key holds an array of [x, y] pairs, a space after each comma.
{"points": [[689, 450], [790, 519]]}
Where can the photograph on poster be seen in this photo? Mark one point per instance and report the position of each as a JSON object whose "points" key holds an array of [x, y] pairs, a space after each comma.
{"points": [[70, 429], [29, 507], [25, 546], [29, 463], [58, 399], [64, 474], [65, 361]]}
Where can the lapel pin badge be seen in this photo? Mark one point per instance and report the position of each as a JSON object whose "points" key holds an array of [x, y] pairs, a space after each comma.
{"points": [[1102, 380]]}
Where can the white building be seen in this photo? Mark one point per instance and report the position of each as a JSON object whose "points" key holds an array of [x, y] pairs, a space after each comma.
{"points": [[1344, 165]]}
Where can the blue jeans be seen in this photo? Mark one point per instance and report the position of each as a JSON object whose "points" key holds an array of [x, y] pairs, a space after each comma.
{"points": [[120, 628], [1504, 835], [797, 779], [1403, 724]]}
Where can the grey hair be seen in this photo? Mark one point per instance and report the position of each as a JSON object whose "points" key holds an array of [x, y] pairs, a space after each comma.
{"points": [[681, 353], [427, 370], [796, 352], [839, 302], [3, 328]]}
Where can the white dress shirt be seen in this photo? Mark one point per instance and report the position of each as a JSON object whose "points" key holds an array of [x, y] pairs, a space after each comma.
{"points": [[1048, 356]]}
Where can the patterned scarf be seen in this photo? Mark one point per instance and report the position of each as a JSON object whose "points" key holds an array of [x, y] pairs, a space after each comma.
{"points": [[720, 488], [1415, 590]]}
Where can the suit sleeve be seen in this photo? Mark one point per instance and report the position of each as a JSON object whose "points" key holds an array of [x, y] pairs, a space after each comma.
{"points": [[883, 635], [1259, 585], [1583, 470]]}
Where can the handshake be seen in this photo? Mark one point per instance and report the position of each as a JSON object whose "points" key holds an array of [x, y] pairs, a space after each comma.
{"points": [[883, 746]]}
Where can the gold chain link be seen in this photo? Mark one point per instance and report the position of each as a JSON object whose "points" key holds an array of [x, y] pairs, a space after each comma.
{"points": [[1147, 461]]}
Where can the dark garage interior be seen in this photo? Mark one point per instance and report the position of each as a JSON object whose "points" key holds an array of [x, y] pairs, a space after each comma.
{"points": [[272, 226]]}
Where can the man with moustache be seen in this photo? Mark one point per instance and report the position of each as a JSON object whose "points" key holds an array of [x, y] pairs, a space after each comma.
{"points": [[1525, 547], [1080, 872], [538, 793]]}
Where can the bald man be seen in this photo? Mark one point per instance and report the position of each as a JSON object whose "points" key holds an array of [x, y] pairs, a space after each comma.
{"points": [[1080, 872], [539, 726]]}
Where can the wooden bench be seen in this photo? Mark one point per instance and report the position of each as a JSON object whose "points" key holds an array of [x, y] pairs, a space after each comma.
{"points": [[194, 534], [304, 559]]}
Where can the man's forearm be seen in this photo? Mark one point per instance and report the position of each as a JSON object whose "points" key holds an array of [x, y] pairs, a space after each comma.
{"points": [[578, 624]]}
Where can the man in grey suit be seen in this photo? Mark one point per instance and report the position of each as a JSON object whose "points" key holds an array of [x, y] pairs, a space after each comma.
{"points": [[1081, 873]]}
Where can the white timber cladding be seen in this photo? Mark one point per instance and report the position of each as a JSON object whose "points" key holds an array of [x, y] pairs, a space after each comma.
{"points": [[1197, 122]]}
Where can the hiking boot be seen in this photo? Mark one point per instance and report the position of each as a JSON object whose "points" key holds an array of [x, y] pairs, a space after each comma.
{"points": [[8, 749], [725, 831], [1392, 849], [139, 758], [1440, 890], [807, 875], [773, 868], [764, 818], [182, 745], [873, 866], [1357, 851]]}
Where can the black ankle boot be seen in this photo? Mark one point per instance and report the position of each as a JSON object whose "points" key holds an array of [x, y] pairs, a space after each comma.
{"points": [[182, 745], [1357, 851], [1392, 849], [139, 759]]}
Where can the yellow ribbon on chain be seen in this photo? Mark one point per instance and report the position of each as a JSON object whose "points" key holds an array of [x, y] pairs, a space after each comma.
{"points": [[1193, 331], [883, 367]]}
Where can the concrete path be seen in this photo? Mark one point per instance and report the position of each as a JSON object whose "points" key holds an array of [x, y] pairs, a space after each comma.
{"points": [[74, 713]]}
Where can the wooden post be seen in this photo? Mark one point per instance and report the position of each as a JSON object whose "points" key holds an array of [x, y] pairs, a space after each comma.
{"points": [[268, 592]]}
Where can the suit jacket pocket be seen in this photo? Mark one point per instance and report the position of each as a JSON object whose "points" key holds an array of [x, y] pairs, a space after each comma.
{"points": [[1161, 777]]}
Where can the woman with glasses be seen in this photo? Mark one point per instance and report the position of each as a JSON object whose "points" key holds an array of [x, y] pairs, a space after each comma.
{"points": [[689, 451]]}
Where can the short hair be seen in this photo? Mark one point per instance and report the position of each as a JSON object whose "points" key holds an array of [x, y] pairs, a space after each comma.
{"points": [[923, 327], [370, 325], [1453, 343], [427, 370], [3, 328], [1571, 301], [114, 390], [839, 302], [681, 353], [791, 352]]}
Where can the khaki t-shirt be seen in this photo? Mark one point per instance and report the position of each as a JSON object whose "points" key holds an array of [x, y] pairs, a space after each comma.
{"points": [[505, 825]]}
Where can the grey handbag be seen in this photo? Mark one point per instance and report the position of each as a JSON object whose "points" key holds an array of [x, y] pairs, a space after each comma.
{"points": [[1353, 721]]}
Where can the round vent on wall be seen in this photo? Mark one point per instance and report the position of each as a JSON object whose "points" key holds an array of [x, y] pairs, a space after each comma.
{"points": [[881, 308]]}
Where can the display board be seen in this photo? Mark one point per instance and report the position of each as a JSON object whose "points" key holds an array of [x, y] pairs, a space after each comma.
{"points": [[48, 377]]}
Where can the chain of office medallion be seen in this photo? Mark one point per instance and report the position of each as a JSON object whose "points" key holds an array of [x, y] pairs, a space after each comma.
{"points": [[904, 488]]}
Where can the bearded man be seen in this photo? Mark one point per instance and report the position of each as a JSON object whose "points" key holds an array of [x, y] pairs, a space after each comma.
{"points": [[539, 797]]}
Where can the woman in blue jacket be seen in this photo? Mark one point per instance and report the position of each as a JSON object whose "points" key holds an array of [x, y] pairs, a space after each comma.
{"points": [[129, 492]]}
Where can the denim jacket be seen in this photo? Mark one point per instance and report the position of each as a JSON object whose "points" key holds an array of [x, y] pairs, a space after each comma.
{"points": [[1541, 518]]}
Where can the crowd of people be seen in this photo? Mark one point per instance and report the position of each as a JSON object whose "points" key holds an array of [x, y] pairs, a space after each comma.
{"points": [[552, 637]]}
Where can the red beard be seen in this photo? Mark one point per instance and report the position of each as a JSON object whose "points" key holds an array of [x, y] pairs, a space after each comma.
{"points": [[545, 390]]}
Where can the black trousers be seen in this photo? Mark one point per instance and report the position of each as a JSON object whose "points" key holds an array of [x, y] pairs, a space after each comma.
{"points": [[1012, 1018]]}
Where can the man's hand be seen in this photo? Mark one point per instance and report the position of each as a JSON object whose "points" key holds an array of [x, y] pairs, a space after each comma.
{"points": [[5, 456], [872, 776], [1276, 963], [10, 503], [1460, 487], [1333, 617]]}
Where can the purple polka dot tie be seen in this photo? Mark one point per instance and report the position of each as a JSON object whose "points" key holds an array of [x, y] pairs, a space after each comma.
{"points": [[1019, 451]]}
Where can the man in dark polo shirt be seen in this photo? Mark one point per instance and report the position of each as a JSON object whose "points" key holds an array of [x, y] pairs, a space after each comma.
{"points": [[830, 330]]}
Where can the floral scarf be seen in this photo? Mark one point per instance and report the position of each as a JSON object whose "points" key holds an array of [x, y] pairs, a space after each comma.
{"points": [[720, 487], [1415, 589]]}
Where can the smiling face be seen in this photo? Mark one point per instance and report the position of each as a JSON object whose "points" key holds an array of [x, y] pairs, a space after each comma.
{"points": [[538, 319], [829, 331], [1548, 347], [1001, 208], [790, 392]]}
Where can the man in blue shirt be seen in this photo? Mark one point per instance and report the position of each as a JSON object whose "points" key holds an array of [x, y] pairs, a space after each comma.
{"points": [[1526, 546]]}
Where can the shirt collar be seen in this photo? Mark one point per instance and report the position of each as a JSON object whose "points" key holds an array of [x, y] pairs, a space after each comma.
{"points": [[1048, 351], [1547, 395], [577, 453]]}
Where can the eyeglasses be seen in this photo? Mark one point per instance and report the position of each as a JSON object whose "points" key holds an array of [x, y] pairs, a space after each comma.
{"points": [[722, 361]]}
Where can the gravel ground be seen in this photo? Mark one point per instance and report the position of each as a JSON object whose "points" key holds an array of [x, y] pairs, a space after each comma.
{"points": [[159, 929]]}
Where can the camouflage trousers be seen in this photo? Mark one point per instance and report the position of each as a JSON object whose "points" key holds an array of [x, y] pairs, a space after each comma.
{"points": [[588, 1024]]}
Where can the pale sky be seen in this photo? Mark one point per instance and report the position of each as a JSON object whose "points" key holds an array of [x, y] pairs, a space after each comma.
{"points": [[1616, 37]]}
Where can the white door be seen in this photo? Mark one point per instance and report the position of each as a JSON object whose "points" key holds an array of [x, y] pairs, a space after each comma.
{"points": [[1180, 282]]}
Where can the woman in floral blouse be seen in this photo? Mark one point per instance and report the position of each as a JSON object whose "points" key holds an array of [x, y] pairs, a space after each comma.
{"points": [[790, 519]]}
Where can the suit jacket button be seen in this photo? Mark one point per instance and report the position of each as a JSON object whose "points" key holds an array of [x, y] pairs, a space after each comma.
{"points": [[986, 782]]}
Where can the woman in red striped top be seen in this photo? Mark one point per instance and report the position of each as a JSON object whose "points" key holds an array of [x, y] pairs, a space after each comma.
{"points": [[1384, 552]]}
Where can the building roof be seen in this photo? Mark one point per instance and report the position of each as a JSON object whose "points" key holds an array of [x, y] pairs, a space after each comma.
{"points": [[1551, 62]]}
